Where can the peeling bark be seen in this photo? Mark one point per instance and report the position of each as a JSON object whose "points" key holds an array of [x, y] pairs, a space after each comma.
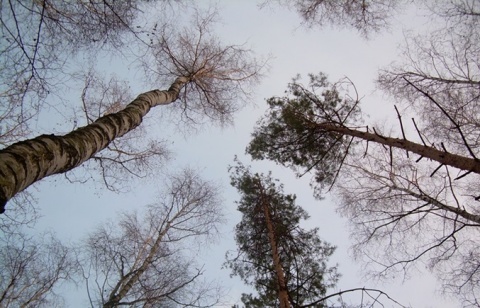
{"points": [[26, 162]]}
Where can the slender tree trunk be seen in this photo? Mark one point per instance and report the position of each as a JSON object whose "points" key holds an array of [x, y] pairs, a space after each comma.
{"points": [[282, 286], [445, 158], [126, 283], [26, 162]]}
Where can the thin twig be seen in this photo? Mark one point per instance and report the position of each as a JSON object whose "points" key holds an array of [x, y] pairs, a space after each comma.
{"points": [[401, 125], [434, 171], [457, 126], [418, 131]]}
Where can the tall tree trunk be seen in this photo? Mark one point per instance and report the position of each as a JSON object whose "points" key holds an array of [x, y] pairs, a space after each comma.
{"points": [[282, 286], [126, 283], [443, 157], [26, 162]]}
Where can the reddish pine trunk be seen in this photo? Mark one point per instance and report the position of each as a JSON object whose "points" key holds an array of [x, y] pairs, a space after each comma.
{"points": [[445, 158], [282, 286], [26, 162]]}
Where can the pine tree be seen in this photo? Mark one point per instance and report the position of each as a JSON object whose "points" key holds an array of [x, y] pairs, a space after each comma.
{"points": [[283, 262], [411, 189]]}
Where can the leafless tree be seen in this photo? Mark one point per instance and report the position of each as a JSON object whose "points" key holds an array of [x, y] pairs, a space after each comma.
{"points": [[31, 270], [39, 41], [38, 37], [400, 216], [138, 261], [434, 206], [440, 80], [460, 15], [366, 16], [24, 213], [210, 80], [223, 75]]}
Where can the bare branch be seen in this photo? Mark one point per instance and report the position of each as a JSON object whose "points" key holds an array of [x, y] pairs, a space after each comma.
{"points": [[139, 260]]}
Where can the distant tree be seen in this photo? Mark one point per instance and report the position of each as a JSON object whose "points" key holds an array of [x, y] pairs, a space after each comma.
{"points": [[285, 263], [366, 16], [210, 81], [138, 261], [421, 185], [31, 270]]}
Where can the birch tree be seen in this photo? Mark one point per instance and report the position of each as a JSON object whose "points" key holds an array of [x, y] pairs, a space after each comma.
{"points": [[365, 16], [286, 264], [206, 76], [135, 155], [38, 41], [32, 269], [138, 260]]}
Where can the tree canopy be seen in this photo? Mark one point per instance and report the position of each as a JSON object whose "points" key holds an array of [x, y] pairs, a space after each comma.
{"points": [[145, 260], [273, 249], [209, 79], [420, 184], [409, 192]]}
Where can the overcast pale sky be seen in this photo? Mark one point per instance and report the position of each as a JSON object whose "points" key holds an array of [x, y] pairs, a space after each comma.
{"points": [[71, 210]]}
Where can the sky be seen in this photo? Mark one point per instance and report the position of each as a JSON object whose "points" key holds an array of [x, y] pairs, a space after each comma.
{"points": [[71, 210]]}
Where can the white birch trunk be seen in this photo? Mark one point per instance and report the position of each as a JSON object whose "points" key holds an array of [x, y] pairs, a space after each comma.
{"points": [[26, 162]]}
